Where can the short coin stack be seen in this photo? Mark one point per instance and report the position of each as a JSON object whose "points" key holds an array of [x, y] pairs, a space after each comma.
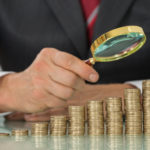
{"points": [[19, 132], [95, 118], [76, 120], [39, 129], [146, 106], [133, 111], [58, 125], [114, 118]]}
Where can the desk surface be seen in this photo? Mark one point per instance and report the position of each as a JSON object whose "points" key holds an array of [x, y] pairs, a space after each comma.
{"points": [[69, 143]]}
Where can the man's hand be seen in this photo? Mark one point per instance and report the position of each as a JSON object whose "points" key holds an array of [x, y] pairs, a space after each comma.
{"points": [[90, 92], [51, 79]]}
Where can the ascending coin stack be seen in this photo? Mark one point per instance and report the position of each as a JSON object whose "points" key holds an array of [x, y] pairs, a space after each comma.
{"points": [[146, 106], [58, 125], [19, 132], [95, 118], [76, 120], [39, 129], [133, 111], [114, 117]]}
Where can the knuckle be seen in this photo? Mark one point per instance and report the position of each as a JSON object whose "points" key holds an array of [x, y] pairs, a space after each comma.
{"points": [[39, 65], [44, 51], [64, 59], [37, 94], [47, 51], [68, 61], [72, 80], [67, 93]]}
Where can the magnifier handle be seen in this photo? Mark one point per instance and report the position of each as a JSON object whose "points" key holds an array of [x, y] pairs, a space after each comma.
{"points": [[90, 61]]}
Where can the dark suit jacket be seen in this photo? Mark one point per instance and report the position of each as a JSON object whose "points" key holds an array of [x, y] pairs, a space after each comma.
{"points": [[26, 26]]}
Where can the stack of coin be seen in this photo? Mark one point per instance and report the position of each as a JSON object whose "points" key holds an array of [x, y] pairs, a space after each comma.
{"points": [[95, 118], [133, 111], [114, 117], [76, 120], [19, 132], [146, 106], [58, 125], [39, 129]]}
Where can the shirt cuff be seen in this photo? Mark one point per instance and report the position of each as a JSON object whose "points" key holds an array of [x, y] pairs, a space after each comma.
{"points": [[3, 73], [137, 83]]}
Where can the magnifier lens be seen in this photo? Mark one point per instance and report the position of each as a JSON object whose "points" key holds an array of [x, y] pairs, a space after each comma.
{"points": [[118, 45]]}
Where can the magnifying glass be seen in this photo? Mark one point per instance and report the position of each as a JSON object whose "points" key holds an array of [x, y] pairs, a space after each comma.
{"points": [[117, 44]]}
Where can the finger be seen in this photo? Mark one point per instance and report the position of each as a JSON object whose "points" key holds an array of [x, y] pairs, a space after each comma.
{"points": [[44, 117], [59, 111], [66, 77], [15, 116], [59, 90], [40, 116], [42, 92], [54, 102], [74, 64]]}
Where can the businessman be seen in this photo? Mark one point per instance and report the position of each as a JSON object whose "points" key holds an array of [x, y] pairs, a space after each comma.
{"points": [[43, 44]]}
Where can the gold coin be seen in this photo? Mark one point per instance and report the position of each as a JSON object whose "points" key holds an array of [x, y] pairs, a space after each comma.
{"points": [[76, 108], [19, 132], [131, 90]]}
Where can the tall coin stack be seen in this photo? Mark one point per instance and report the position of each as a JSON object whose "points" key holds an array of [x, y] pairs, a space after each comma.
{"points": [[146, 106], [95, 118], [133, 111], [114, 117], [58, 125], [39, 129], [76, 120]]}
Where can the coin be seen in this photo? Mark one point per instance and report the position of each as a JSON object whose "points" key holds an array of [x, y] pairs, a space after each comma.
{"points": [[146, 106], [133, 111], [76, 120], [19, 132], [58, 125], [39, 129], [95, 118], [114, 117]]}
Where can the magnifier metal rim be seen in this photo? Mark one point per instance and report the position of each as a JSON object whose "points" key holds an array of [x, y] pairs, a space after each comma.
{"points": [[114, 33]]}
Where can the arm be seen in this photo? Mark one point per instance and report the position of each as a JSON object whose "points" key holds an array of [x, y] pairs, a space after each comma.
{"points": [[89, 92], [48, 82]]}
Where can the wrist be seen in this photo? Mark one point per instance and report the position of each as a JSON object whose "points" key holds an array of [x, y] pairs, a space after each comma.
{"points": [[6, 99]]}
